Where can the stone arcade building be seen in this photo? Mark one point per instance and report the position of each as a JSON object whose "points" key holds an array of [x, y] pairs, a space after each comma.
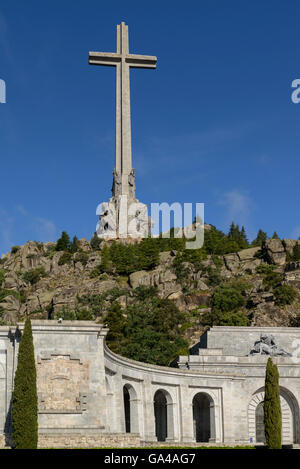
{"points": [[89, 396]]}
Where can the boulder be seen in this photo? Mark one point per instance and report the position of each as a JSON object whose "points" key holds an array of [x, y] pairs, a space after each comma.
{"points": [[65, 297], [250, 265], [166, 257], [275, 251], [289, 245], [45, 298], [248, 254], [32, 303], [139, 278], [201, 285], [13, 282], [232, 262], [84, 245], [11, 307], [168, 288]]}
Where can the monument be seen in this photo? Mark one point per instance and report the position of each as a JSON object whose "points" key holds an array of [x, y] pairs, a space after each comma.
{"points": [[123, 216]]}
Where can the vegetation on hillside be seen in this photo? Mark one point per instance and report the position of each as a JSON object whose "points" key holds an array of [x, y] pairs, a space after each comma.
{"points": [[211, 292]]}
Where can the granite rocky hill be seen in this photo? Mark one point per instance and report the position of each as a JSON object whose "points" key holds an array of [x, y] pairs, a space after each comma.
{"points": [[257, 286]]}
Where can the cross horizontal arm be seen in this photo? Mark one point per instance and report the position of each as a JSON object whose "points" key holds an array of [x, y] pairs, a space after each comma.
{"points": [[104, 58], [141, 61]]}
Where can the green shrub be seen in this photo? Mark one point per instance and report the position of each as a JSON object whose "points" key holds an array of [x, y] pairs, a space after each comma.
{"points": [[32, 276], [79, 314], [15, 249], [65, 258], [65, 313], [284, 295], [233, 319], [272, 280], [227, 298], [96, 272], [98, 304], [4, 293], [82, 257], [265, 269], [272, 409], [295, 256], [147, 330], [95, 242], [2, 275], [214, 277], [230, 318], [25, 402]]}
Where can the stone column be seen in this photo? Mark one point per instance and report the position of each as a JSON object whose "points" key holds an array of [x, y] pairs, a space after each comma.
{"points": [[186, 405], [149, 420]]}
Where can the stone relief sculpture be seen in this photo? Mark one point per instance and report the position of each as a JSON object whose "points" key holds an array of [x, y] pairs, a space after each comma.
{"points": [[131, 183], [117, 186], [266, 346], [106, 226], [138, 224]]}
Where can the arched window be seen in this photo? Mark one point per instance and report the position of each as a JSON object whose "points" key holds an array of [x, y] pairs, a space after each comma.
{"points": [[130, 409], [163, 412], [289, 411], [203, 417], [259, 423], [160, 412], [126, 398]]}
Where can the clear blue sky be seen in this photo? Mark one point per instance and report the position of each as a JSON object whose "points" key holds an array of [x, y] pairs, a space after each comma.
{"points": [[214, 123]]}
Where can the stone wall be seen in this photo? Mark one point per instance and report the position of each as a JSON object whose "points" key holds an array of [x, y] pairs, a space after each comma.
{"points": [[69, 440], [82, 384], [239, 341]]}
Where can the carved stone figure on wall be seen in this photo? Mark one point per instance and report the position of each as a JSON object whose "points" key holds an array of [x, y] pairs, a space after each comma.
{"points": [[117, 180], [131, 182], [266, 346]]}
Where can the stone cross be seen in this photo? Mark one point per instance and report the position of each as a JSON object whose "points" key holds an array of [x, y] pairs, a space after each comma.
{"points": [[122, 60]]}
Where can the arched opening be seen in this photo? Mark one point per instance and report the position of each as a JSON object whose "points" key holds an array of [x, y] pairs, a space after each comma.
{"points": [[163, 413], [126, 398], [130, 409], [203, 417], [160, 413], [290, 417], [259, 423]]}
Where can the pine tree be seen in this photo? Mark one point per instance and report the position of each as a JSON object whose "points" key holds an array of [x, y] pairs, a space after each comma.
{"points": [[296, 252], [64, 242], [95, 242], [272, 409], [275, 235], [260, 238], [25, 404], [243, 239], [74, 245], [106, 264], [238, 236]]}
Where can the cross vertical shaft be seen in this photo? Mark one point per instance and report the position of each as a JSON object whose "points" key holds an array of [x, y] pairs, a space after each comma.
{"points": [[122, 60], [123, 133]]}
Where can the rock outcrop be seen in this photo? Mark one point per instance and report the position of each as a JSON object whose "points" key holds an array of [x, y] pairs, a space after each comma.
{"points": [[60, 285]]}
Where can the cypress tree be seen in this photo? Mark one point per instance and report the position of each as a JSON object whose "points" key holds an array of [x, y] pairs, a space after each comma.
{"points": [[272, 409], [25, 404]]}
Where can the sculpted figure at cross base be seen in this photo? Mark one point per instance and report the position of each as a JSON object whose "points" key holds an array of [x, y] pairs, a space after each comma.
{"points": [[117, 181], [266, 346]]}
